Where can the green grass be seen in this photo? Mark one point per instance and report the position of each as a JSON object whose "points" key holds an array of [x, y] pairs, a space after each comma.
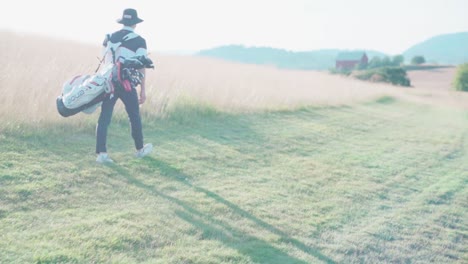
{"points": [[378, 182]]}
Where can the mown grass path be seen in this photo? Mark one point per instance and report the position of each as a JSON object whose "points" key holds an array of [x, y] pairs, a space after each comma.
{"points": [[376, 182]]}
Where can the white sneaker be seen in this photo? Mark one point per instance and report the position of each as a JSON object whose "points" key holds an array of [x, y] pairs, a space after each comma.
{"points": [[144, 151], [104, 158]]}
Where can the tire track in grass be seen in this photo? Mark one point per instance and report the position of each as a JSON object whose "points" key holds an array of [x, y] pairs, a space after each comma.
{"points": [[396, 183]]}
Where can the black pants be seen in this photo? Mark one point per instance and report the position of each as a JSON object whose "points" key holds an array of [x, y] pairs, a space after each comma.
{"points": [[130, 100]]}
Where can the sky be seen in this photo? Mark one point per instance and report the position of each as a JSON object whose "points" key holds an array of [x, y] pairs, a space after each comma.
{"points": [[184, 26]]}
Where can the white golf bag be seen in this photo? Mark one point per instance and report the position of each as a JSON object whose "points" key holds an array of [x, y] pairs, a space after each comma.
{"points": [[85, 93]]}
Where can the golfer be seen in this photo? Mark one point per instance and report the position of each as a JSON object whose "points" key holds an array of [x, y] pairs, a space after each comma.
{"points": [[135, 46]]}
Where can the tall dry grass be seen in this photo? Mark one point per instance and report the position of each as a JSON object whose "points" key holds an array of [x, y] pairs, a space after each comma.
{"points": [[244, 87], [35, 67]]}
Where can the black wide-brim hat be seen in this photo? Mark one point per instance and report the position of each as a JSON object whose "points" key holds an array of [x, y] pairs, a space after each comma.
{"points": [[129, 17]]}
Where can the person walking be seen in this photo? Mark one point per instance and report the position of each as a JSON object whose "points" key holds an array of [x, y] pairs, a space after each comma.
{"points": [[131, 44]]}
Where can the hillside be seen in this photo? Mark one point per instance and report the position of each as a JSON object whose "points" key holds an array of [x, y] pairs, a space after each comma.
{"points": [[442, 49], [307, 60], [252, 164]]}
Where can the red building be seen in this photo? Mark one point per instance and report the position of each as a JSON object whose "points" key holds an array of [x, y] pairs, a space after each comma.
{"points": [[349, 60]]}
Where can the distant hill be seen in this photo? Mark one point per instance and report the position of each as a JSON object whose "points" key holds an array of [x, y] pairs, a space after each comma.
{"points": [[306, 60], [442, 49]]}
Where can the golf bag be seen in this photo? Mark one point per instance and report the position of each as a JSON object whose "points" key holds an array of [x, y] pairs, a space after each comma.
{"points": [[85, 93]]}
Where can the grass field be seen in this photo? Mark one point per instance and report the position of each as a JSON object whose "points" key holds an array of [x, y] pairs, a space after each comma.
{"points": [[359, 179], [376, 182]]}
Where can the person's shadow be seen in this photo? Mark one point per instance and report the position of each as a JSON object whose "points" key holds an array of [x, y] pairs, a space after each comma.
{"points": [[224, 232]]}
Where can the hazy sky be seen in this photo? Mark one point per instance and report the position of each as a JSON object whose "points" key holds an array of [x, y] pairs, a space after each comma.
{"points": [[389, 26]]}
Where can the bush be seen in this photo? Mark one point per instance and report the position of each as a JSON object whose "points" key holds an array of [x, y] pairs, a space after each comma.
{"points": [[461, 79], [398, 60], [375, 62], [393, 75], [418, 60]]}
